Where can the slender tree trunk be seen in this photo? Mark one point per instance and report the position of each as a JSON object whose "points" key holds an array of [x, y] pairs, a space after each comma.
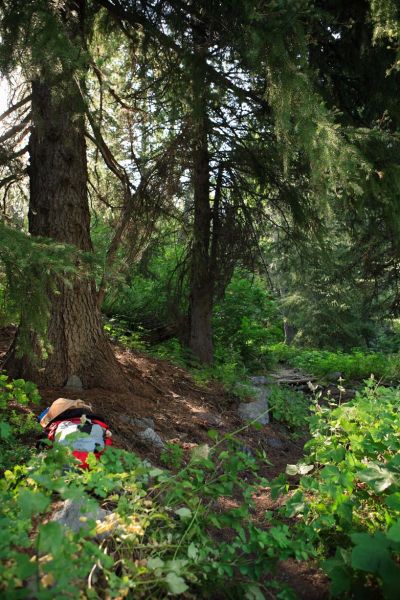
{"points": [[289, 330], [59, 210], [201, 284]]}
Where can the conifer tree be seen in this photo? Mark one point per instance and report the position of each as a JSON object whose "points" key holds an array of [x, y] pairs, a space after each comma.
{"points": [[54, 56]]}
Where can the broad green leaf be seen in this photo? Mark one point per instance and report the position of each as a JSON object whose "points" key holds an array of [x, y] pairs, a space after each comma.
{"points": [[393, 501], [394, 532], [176, 584], [253, 592], [184, 513], [155, 563], [369, 552], [339, 575], [26, 568], [32, 503], [52, 537], [155, 472], [304, 469], [377, 477], [200, 452], [5, 430], [192, 551]]}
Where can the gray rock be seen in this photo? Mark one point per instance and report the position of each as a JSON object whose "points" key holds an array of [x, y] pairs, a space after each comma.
{"points": [[261, 393], [72, 511], [142, 423], [74, 383], [149, 436], [258, 380], [255, 411]]}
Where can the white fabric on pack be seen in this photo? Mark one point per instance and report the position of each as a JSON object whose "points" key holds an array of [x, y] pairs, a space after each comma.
{"points": [[78, 440]]}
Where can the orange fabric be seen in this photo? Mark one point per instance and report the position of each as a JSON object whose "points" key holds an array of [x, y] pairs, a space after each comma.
{"points": [[59, 406]]}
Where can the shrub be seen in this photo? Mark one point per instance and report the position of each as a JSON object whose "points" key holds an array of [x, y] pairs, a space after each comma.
{"points": [[290, 407], [247, 320], [15, 422], [348, 500], [170, 532]]}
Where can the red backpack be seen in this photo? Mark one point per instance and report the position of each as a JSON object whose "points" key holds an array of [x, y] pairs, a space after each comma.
{"points": [[90, 435]]}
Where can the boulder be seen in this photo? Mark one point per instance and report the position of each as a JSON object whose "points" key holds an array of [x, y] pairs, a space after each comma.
{"points": [[74, 383], [150, 437], [142, 423], [258, 380], [255, 411], [275, 443], [72, 512]]}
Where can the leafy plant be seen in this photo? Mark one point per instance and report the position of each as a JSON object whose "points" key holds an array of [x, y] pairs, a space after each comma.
{"points": [[168, 533], [354, 365], [289, 407], [347, 502], [16, 421]]}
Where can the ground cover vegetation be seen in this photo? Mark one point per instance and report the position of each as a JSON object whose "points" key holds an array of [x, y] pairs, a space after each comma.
{"points": [[215, 184]]}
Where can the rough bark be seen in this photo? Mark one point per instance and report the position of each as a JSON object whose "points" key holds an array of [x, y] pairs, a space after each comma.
{"points": [[289, 330], [201, 284], [59, 210]]}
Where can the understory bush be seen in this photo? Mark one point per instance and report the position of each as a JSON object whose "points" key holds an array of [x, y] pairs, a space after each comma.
{"points": [[168, 533], [347, 502], [247, 321], [16, 422], [354, 365], [289, 407]]}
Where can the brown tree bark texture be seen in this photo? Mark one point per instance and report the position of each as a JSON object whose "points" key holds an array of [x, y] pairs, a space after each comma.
{"points": [[202, 284], [59, 210]]}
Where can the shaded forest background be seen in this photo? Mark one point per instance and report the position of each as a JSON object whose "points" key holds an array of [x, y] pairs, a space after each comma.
{"points": [[237, 166]]}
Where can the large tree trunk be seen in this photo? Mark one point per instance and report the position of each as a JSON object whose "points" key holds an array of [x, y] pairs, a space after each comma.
{"points": [[59, 210], [201, 283]]}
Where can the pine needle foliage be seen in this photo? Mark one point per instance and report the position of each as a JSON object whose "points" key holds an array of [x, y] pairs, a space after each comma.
{"points": [[305, 128], [30, 269], [34, 38], [386, 19]]}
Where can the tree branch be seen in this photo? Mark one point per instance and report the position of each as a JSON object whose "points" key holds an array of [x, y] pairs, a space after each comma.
{"points": [[134, 17], [9, 157], [15, 107], [14, 130]]}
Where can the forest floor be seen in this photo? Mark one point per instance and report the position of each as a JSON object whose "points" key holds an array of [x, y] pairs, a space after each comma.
{"points": [[183, 412]]}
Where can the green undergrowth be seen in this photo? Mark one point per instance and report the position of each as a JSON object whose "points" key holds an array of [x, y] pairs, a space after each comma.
{"points": [[16, 422], [228, 367], [246, 321], [357, 365], [290, 407], [170, 533], [191, 528], [345, 495]]}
